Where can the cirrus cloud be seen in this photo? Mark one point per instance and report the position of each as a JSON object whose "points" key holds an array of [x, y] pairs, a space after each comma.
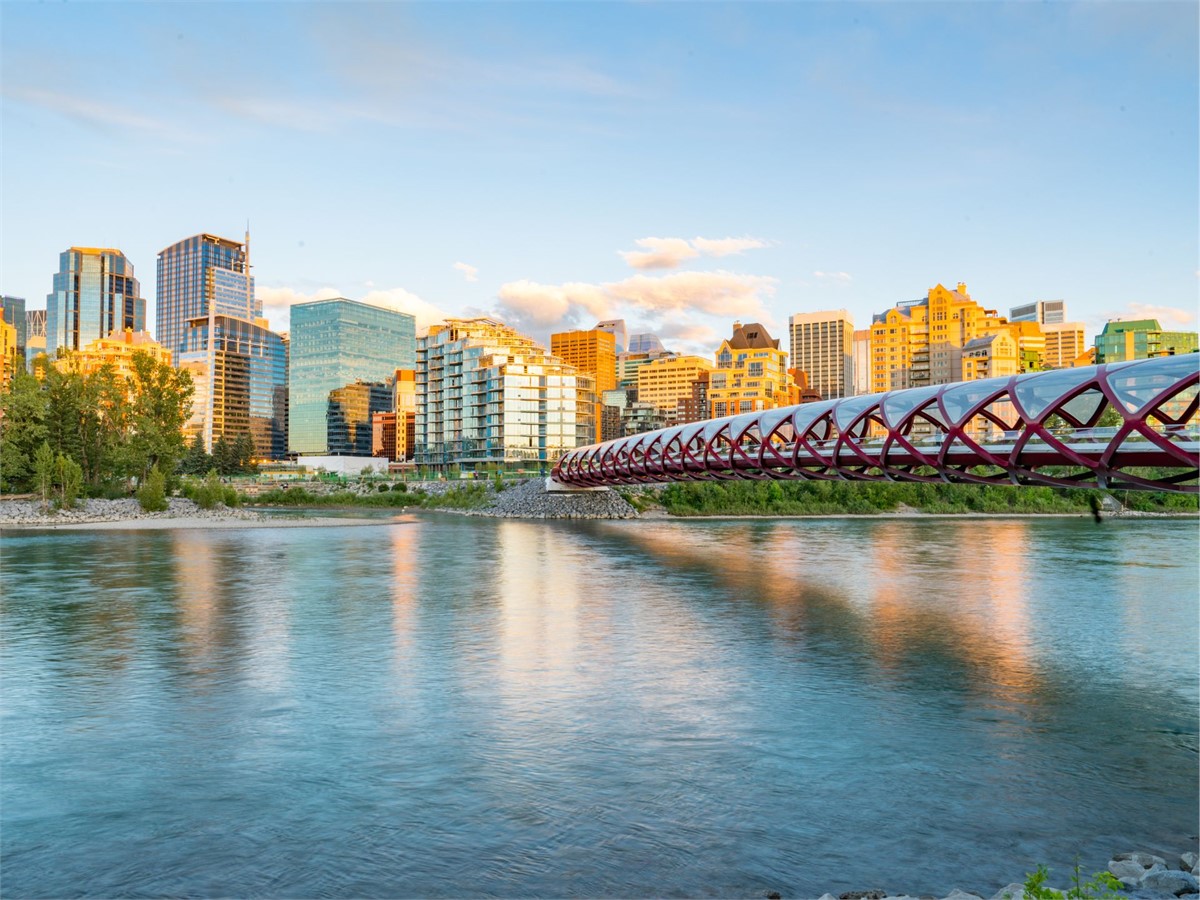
{"points": [[667, 253], [470, 273]]}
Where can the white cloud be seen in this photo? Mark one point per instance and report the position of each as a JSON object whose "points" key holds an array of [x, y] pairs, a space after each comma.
{"points": [[667, 253], [834, 276], [728, 246], [470, 273], [534, 306], [1166, 315], [659, 253], [278, 301]]}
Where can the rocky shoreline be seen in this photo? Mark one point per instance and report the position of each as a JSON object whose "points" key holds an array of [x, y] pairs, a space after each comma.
{"points": [[31, 513], [1142, 876]]}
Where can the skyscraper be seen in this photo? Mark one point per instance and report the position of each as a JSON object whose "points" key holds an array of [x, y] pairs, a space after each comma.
{"points": [[94, 295], [1044, 312], [14, 315], [200, 275], [334, 344], [823, 346]]}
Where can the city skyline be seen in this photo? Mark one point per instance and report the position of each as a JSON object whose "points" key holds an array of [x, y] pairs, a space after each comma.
{"points": [[676, 166]]}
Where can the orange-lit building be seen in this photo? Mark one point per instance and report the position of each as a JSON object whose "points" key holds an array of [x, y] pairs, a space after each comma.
{"points": [[594, 355], [751, 373], [117, 349], [920, 343], [8, 352], [663, 382]]}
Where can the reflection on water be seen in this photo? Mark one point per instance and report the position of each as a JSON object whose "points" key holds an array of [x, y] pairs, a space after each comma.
{"points": [[453, 706]]}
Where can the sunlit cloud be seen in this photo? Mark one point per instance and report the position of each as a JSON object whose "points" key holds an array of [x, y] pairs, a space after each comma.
{"points": [[1166, 315], [667, 253], [725, 294], [470, 273]]}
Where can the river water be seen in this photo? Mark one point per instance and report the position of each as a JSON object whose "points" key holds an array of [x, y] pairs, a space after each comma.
{"points": [[452, 706]]}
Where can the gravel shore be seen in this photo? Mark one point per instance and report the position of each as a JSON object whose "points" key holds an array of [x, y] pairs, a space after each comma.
{"points": [[125, 514]]}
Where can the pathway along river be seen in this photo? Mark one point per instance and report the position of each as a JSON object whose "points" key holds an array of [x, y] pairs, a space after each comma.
{"points": [[451, 706]]}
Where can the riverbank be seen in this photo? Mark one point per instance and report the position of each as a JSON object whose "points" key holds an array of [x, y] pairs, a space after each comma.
{"points": [[107, 515]]}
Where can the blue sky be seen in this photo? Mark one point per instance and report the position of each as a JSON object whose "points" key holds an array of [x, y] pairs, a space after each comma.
{"points": [[460, 158]]}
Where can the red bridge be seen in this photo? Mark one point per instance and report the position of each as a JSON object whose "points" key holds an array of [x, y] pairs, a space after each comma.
{"points": [[1127, 425]]}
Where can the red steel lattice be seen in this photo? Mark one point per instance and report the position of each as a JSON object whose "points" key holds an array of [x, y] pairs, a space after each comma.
{"points": [[1042, 428]]}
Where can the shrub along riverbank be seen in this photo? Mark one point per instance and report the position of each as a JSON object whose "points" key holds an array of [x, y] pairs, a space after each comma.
{"points": [[468, 496], [822, 498]]}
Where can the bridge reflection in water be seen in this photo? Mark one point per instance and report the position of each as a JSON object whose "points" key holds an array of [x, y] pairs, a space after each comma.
{"points": [[1129, 425]]}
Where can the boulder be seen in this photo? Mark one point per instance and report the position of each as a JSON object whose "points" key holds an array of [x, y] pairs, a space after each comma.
{"points": [[1012, 891], [956, 894], [1145, 860], [1126, 869], [1187, 861], [1169, 881]]}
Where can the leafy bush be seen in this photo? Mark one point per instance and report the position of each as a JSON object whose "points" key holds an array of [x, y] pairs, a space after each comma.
{"points": [[383, 487], [1101, 886], [69, 477], [152, 495], [401, 487]]}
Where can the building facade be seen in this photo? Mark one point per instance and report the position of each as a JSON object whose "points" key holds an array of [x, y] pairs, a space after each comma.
{"points": [[335, 343], [1044, 312], [1065, 343], [664, 381], [862, 361], [8, 353], [15, 314], [200, 275], [241, 381], [349, 414], [750, 374], [116, 350], [822, 344], [487, 394], [1141, 339], [35, 336], [94, 295], [920, 343]]}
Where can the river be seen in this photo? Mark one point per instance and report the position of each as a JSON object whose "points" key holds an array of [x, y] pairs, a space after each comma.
{"points": [[454, 706]]}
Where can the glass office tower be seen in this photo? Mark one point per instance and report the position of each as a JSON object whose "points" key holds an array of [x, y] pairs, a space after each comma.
{"points": [[15, 315], [336, 343], [94, 295], [197, 272], [242, 389]]}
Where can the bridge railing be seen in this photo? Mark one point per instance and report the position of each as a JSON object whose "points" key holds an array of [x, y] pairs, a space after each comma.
{"points": [[1126, 425]]}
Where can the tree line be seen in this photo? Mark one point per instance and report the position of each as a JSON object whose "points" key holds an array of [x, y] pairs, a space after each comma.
{"points": [[114, 429]]}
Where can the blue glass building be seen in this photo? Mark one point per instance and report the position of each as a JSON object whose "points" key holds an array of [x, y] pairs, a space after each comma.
{"points": [[14, 315], [243, 388], [336, 343], [197, 272], [94, 295]]}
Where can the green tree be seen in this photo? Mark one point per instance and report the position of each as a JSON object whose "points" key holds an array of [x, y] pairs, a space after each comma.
{"points": [[196, 460], [22, 430], [152, 494], [223, 457], [44, 470], [69, 477], [243, 452], [160, 401]]}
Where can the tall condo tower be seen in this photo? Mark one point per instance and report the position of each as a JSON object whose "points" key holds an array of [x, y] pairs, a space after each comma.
{"points": [[339, 348], [94, 295], [823, 347], [198, 277]]}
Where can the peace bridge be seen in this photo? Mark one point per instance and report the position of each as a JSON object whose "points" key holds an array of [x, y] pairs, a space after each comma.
{"points": [[1126, 425]]}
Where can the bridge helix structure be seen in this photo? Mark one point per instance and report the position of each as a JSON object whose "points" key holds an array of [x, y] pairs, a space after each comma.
{"points": [[1126, 425]]}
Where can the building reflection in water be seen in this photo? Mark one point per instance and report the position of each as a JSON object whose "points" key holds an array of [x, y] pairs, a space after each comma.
{"points": [[197, 598], [405, 551]]}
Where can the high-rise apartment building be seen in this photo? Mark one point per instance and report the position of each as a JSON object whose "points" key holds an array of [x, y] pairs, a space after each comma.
{"points": [[1140, 339], [488, 394], [750, 375], [94, 295], [1044, 312], [116, 350], [822, 345], [1065, 344], [198, 276], [335, 343], [589, 351], [663, 382], [241, 381], [920, 342]]}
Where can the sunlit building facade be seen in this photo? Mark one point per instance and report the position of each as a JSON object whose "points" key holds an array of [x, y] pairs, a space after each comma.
{"points": [[95, 294], [349, 413], [8, 353], [1044, 312], [750, 374], [116, 350], [993, 356], [1065, 344], [241, 382], [822, 344], [200, 275], [35, 336], [664, 381], [335, 343], [920, 343], [14, 313], [487, 394]]}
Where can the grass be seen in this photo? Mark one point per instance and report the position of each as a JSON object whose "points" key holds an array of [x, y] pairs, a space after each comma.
{"points": [[471, 496]]}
